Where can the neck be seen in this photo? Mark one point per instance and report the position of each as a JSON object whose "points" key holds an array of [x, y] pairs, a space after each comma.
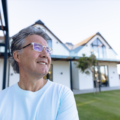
{"points": [[31, 83]]}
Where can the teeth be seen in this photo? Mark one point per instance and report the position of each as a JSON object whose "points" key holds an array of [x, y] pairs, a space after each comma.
{"points": [[41, 63]]}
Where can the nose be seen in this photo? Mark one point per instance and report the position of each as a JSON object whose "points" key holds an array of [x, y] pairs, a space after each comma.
{"points": [[44, 53]]}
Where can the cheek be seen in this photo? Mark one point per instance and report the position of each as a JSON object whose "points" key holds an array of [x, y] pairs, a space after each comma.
{"points": [[28, 59]]}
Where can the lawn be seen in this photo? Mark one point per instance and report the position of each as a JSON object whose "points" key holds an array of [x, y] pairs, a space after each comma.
{"points": [[101, 106]]}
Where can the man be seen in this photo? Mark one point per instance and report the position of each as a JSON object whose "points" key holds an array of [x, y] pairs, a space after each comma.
{"points": [[34, 98]]}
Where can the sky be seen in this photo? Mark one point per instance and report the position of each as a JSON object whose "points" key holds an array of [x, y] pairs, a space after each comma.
{"points": [[70, 20]]}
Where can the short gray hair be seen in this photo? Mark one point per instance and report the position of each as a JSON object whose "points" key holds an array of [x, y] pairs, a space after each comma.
{"points": [[18, 41]]}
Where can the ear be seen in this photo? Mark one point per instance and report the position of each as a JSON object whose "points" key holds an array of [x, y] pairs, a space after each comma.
{"points": [[16, 56]]}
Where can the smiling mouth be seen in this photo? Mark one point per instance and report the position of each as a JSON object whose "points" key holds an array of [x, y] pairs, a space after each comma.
{"points": [[42, 63]]}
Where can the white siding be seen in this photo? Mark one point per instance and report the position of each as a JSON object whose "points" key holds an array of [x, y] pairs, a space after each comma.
{"points": [[58, 48], [81, 81], [85, 50], [85, 81], [113, 76], [111, 54], [13, 78], [61, 67]]}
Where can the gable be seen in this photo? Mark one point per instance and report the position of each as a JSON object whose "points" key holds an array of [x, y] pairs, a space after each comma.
{"points": [[89, 40], [101, 40], [96, 44], [58, 47]]}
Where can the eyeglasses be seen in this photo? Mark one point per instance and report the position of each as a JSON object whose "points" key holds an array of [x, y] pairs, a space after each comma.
{"points": [[38, 47]]}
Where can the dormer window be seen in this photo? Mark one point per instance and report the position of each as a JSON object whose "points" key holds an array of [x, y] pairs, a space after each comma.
{"points": [[98, 48], [50, 43]]}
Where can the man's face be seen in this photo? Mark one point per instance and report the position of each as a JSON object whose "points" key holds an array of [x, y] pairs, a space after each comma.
{"points": [[34, 62]]}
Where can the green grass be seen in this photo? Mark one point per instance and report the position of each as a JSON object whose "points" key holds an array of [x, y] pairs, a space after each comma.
{"points": [[101, 106]]}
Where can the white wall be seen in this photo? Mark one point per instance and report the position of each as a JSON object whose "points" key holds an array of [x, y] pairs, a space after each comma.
{"points": [[58, 48], [61, 67], [14, 77], [113, 76], [81, 81], [111, 54], [85, 81], [75, 79], [85, 50]]}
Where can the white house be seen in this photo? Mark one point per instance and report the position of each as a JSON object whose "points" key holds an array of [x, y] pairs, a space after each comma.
{"points": [[64, 71], [107, 60]]}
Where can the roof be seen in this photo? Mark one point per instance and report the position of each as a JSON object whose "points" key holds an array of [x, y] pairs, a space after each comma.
{"points": [[82, 43], [77, 49], [88, 39]]}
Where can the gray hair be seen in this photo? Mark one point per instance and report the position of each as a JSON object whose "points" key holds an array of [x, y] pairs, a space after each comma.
{"points": [[18, 41]]}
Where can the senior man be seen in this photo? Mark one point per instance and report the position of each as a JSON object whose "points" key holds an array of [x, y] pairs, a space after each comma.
{"points": [[34, 98]]}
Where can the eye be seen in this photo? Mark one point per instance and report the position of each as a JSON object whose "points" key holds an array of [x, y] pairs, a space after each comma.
{"points": [[38, 47]]}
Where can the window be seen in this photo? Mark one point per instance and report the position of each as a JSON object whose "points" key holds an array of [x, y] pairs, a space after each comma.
{"points": [[99, 48], [50, 43], [103, 75]]}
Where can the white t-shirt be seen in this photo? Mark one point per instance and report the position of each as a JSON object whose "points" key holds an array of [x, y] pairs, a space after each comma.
{"points": [[52, 102]]}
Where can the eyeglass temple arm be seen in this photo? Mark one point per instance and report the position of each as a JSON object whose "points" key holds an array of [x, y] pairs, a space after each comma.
{"points": [[27, 45]]}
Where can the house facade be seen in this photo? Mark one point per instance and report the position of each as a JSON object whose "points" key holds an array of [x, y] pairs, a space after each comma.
{"points": [[63, 68], [105, 72]]}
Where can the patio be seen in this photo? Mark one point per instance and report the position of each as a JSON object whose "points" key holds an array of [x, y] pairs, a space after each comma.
{"points": [[75, 91]]}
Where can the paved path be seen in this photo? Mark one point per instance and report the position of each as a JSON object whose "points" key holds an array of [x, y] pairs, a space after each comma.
{"points": [[75, 91]]}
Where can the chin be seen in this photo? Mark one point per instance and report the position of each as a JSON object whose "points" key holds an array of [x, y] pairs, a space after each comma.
{"points": [[43, 73]]}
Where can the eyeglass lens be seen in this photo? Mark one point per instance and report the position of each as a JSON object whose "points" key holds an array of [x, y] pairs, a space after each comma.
{"points": [[39, 48]]}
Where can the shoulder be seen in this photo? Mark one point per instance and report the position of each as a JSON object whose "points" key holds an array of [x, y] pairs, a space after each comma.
{"points": [[67, 109], [60, 87], [5, 92], [62, 90]]}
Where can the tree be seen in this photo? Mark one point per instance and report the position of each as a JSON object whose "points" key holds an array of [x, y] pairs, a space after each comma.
{"points": [[86, 64]]}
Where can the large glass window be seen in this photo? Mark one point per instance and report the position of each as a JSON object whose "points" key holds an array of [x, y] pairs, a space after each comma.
{"points": [[95, 75], [103, 75], [98, 48]]}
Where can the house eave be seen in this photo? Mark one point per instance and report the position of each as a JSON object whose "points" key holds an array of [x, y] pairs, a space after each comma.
{"points": [[109, 60]]}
